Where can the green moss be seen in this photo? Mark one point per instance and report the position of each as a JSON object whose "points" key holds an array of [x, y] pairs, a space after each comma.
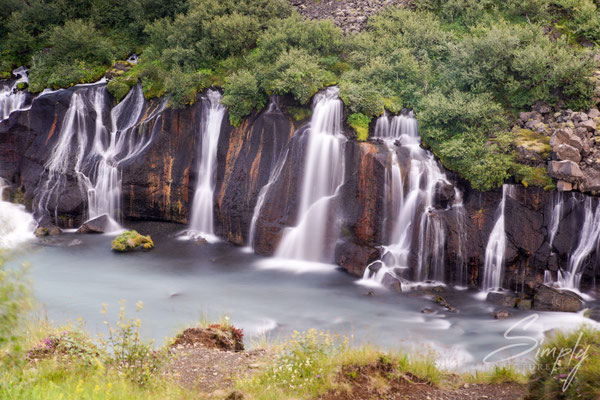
{"points": [[533, 141], [533, 176], [22, 85], [360, 124], [131, 240], [299, 113]]}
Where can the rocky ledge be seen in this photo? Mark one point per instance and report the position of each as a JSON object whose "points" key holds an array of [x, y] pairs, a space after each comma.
{"points": [[350, 15]]}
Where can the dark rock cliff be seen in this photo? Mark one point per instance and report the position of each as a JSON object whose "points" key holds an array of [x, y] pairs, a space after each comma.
{"points": [[159, 185]]}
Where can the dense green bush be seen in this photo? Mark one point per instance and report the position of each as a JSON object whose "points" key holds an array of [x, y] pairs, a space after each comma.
{"points": [[241, 96], [464, 66], [78, 54], [298, 73]]}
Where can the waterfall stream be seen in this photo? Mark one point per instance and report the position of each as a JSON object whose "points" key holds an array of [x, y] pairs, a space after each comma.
{"points": [[496, 247], [92, 153], [557, 206], [589, 241], [11, 98], [323, 174], [16, 225], [201, 221], [410, 208]]}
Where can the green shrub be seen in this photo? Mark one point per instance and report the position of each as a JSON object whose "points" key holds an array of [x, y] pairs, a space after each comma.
{"points": [[298, 73], [360, 124], [131, 240], [119, 87], [127, 352], [241, 96]]}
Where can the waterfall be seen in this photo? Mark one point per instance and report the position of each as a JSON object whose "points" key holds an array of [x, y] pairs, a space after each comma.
{"points": [[201, 221], [557, 206], [496, 246], [410, 207], [589, 241], [67, 154], [273, 176], [11, 98], [16, 225], [96, 163], [323, 174]]}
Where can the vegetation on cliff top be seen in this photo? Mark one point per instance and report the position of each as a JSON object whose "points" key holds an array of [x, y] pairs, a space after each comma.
{"points": [[464, 66]]}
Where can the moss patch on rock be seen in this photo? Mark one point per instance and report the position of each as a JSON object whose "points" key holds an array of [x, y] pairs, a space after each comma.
{"points": [[131, 240], [533, 141], [360, 124]]}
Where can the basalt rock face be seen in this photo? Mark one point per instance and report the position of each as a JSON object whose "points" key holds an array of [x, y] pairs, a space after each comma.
{"points": [[26, 139], [268, 147], [248, 155]]}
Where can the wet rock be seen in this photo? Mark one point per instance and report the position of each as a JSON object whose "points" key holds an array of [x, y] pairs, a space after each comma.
{"points": [[392, 283], [551, 299], [501, 314], [502, 299], [355, 258], [524, 304], [565, 170], [49, 230], [567, 152], [427, 310], [442, 302], [443, 195], [96, 225], [375, 267]]}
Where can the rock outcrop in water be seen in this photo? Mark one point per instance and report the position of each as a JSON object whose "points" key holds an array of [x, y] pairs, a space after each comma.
{"points": [[267, 149]]}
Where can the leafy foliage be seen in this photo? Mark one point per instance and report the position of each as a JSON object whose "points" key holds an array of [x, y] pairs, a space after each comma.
{"points": [[463, 66]]}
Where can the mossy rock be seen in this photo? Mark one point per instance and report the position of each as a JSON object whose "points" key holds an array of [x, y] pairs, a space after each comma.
{"points": [[131, 240], [22, 85], [360, 124], [533, 141]]}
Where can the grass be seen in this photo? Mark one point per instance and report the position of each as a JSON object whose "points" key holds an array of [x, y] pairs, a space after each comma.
{"points": [[568, 366]]}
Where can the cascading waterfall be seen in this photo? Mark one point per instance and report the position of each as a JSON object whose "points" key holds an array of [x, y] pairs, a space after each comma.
{"points": [[11, 98], [274, 175], [323, 174], [496, 246], [67, 155], [413, 211], [16, 225], [201, 221], [95, 163], [589, 241], [557, 206], [110, 149]]}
